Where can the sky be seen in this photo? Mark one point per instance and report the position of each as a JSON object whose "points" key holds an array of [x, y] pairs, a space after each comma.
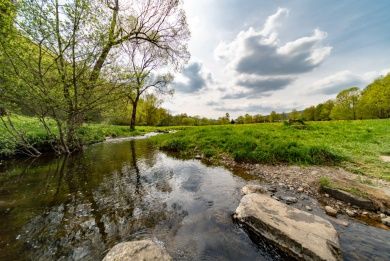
{"points": [[256, 56]]}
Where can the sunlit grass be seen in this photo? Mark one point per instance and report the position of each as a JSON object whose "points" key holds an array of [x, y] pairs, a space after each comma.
{"points": [[355, 145]]}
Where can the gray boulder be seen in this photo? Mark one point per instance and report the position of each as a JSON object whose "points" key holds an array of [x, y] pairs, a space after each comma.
{"points": [[300, 234], [143, 250]]}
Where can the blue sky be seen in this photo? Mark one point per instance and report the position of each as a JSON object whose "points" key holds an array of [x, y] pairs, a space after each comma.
{"points": [[257, 56]]}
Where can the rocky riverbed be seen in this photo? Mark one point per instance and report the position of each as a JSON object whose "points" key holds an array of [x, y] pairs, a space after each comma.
{"points": [[297, 184]]}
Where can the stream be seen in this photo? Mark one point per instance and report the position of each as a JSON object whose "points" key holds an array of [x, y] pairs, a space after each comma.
{"points": [[78, 207]]}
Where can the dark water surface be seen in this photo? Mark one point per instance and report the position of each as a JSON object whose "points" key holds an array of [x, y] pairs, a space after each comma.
{"points": [[77, 208]]}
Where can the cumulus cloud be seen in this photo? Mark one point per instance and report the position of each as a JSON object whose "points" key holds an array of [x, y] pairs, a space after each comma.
{"points": [[263, 64], [333, 84], [192, 79], [253, 86], [263, 84]]}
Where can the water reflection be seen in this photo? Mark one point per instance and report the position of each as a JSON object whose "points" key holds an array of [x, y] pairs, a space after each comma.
{"points": [[77, 207]]}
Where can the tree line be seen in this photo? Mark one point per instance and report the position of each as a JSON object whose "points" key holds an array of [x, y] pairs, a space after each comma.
{"points": [[350, 104]]}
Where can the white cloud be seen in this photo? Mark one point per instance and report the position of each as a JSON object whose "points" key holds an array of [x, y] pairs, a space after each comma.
{"points": [[341, 80], [262, 64], [273, 21]]}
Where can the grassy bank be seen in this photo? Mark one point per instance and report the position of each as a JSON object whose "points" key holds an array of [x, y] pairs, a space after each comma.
{"points": [[37, 136], [355, 145]]}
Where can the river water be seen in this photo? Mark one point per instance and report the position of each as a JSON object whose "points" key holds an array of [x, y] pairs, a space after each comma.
{"points": [[78, 207]]}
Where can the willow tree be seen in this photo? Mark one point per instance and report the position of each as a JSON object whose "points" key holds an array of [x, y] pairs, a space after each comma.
{"points": [[65, 55]]}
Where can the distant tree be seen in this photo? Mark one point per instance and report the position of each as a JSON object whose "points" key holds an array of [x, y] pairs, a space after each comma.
{"points": [[148, 111], [294, 115], [240, 120], [375, 99], [345, 107], [273, 117], [248, 119], [323, 110], [309, 113], [258, 118]]}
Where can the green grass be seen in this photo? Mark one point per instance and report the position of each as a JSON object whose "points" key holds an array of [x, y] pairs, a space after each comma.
{"points": [[37, 136], [355, 145]]}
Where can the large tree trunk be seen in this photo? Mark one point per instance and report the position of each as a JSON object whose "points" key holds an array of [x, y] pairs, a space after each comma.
{"points": [[134, 114], [73, 141]]}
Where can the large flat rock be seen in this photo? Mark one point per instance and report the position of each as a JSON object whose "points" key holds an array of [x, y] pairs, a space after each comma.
{"points": [[302, 235], [143, 250]]}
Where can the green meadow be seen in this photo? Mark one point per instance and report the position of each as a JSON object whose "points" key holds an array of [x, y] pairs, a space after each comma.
{"points": [[354, 145]]}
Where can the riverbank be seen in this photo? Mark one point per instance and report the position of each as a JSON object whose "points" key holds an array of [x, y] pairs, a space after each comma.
{"points": [[344, 156], [358, 146], [90, 133]]}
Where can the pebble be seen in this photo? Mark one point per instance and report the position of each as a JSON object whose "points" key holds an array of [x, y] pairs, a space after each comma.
{"points": [[275, 197], [330, 211], [341, 222], [350, 213], [326, 195], [308, 208], [382, 216], [300, 189], [272, 189], [365, 213], [290, 200], [386, 221]]}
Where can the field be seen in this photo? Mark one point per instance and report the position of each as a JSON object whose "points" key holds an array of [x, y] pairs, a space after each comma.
{"points": [[354, 145], [36, 134]]}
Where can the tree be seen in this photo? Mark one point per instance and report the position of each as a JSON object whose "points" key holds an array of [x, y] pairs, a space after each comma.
{"points": [[274, 117], [150, 105], [65, 58], [323, 110], [309, 113], [346, 104], [294, 115], [375, 99], [143, 61]]}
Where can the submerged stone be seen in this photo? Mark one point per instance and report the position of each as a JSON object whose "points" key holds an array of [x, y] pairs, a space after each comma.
{"points": [[330, 211], [302, 235], [143, 250]]}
